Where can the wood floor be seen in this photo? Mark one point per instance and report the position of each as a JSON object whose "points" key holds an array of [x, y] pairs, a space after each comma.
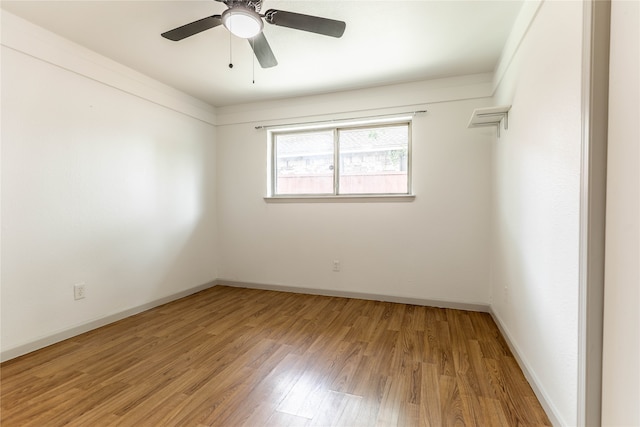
{"points": [[240, 357]]}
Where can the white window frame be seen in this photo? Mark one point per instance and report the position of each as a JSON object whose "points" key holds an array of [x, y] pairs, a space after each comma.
{"points": [[336, 127]]}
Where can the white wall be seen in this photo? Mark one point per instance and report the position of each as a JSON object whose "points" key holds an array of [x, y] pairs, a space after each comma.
{"points": [[100, 185], [436, 247], [536, 212], [621, 358]]}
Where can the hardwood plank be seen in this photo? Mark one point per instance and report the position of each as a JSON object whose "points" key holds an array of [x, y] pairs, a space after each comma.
{"points": [[409, 415], [263, 400], [430, 404], [243, 357], [444, 349], [389, 410], [337, 409], [282, 419], [493, 413], [451, 403]]}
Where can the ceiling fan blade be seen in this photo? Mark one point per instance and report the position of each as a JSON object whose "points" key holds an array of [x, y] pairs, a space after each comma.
{"points": [[192, 28], [263, 51], [298, 21]]}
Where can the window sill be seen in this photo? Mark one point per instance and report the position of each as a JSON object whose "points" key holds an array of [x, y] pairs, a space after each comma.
{"points": [[342, 199]]}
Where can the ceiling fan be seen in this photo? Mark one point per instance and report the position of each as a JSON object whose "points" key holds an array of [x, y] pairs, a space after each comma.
{"points": [[243, 19]]}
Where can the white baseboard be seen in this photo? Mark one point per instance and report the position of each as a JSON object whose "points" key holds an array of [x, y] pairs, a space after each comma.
{"points": [[97, 323], [529, 374], [359, 295], [549, 408]]}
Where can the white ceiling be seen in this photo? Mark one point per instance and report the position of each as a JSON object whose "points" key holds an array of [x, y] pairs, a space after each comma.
{"points": [[385, 42]]}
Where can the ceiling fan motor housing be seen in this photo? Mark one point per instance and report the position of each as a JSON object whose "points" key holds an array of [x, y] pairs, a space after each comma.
{"points": [[254, 5]]}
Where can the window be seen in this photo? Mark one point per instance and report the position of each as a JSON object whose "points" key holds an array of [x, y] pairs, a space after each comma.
{"points": [[349, 160]]}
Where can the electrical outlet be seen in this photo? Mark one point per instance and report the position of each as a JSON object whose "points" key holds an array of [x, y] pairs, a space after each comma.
{"points": [[79, 291], [336, 265]]}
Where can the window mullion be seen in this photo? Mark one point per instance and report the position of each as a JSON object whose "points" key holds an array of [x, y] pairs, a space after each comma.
{"points": [[274, 172], [336, 162]]}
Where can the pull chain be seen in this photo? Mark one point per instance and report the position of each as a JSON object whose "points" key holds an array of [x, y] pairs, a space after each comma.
{"points": [[230, 52], [253, 61], [253, 58]]}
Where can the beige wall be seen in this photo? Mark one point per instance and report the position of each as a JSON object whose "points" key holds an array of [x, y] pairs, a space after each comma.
{"points": [[536, 214], [99, 185], [435, 247], [621, 358]]}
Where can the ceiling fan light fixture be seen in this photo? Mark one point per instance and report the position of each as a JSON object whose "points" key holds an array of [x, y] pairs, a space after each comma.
{"points": [[242, 22]]}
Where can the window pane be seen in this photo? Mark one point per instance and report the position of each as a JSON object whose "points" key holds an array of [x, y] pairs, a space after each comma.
{"points": [[304, 163], [374, 160]]}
